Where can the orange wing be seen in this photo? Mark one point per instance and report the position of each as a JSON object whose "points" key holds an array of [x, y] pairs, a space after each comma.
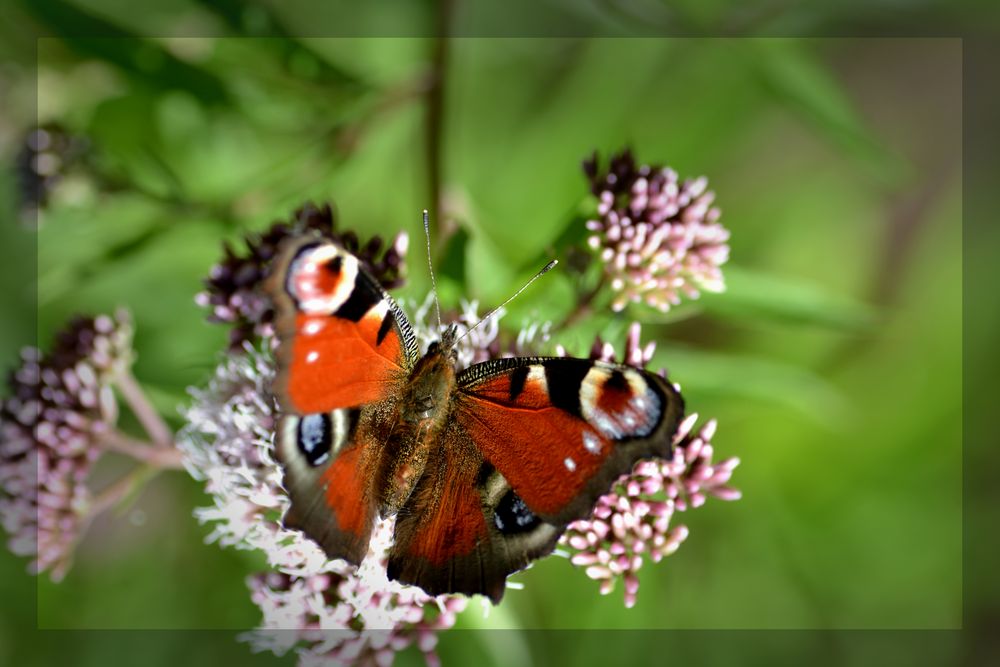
{"points": [[561, 430], [345, 348], [326, 458], [343, 341], [462, 530], [532, 444]]}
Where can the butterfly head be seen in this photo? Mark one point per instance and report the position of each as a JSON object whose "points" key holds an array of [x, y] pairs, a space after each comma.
{"points": [[447, 344]]}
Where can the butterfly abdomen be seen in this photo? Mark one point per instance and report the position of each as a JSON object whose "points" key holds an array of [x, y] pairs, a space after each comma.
{"points": [[422, 415]]}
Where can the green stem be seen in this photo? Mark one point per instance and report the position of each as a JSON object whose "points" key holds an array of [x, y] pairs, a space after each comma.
{"points": [[584, 307], [435, 118]]}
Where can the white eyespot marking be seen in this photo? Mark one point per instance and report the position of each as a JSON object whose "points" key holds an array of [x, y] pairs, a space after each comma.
{"points": [[570, 464], [636, 415], [636, 382], [312, 356], [306, 284], [591, 442], [312, 328]]}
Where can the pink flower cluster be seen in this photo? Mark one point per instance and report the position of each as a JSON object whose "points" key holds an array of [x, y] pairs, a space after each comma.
{"points": [[658, 238], [51, 428], [633, 520]]}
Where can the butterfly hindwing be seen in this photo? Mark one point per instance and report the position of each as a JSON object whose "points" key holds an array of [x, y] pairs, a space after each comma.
{"points": [[463, 530], [344, 341], [324, 460]]}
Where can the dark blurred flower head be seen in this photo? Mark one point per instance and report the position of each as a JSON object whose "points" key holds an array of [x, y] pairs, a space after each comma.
{"points": [[632, 521], [234, 291], [657, 237], [51, 426], [47, 152]]}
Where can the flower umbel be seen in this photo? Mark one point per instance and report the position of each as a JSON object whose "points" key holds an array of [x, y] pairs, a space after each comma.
{"points": [[487, 341], [60, 412], [633, 520], [326, 610], [658, 238], [45, 156]]}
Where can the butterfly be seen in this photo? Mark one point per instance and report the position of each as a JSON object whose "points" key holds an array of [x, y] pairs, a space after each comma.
{"points": [[482, 467]]}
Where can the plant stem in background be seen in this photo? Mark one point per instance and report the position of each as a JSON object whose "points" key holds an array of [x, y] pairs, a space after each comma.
{"points": [[159, 456], [158, 431], [435, 119], [582, 308]]}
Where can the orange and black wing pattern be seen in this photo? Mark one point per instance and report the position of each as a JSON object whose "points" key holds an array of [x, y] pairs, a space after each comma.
{"points": [[343, 341], [345, 349], [532, 444], [561, 430]]}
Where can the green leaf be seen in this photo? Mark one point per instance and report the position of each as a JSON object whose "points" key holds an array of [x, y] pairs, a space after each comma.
{"points": [[757, 378], [280, 44], [754, 295], [452, 264], [148, 62], [794, 77]]}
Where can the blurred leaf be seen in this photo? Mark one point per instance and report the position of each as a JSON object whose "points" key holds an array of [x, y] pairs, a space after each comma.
{"points": [[793, 76], [751, 294], [756, 378], [141, 58], [74, 244], [130, 147], [295, 56], [452, 264], [573, 235]]}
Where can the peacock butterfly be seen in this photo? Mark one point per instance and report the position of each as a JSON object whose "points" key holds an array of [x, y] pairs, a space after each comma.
{"points": [[482, 467]]}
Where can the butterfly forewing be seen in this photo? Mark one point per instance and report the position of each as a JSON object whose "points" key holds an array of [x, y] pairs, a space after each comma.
{"points": [[343, 341], [561, 430]]}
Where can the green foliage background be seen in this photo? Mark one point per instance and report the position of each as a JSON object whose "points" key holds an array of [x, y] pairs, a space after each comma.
{"points": [[832, 362]]}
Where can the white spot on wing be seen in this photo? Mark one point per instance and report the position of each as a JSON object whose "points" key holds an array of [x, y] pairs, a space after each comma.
{"points": [[591, 442], [378, 311], [312, 328], [312, 356], [570, 464]]}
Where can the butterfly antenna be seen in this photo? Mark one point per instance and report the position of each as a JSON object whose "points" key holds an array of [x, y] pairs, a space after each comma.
{"points": [[430, 266], [545, 269]]}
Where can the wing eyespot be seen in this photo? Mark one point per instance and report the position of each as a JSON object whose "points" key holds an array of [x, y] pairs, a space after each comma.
{"points": [[512, 515], [314, 437]]}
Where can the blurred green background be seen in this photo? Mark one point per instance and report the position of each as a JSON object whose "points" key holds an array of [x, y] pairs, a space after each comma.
{"points": [[833, 361]]}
